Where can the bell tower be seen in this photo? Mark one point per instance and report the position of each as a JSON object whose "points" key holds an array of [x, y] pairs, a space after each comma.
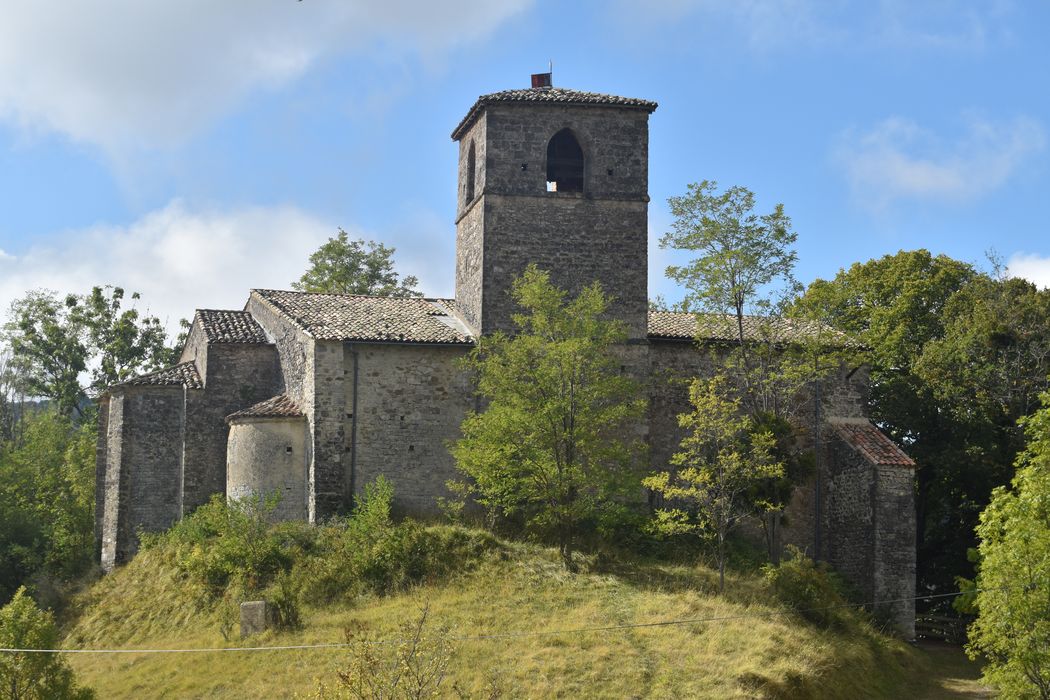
{"points": [[558, 178]]}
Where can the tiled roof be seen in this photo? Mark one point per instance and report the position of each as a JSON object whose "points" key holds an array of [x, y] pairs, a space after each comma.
{"points": [[230, 326], [870, 442], [184, 374], [351, 317], [551, 95], [280, 406], [685, 326]]}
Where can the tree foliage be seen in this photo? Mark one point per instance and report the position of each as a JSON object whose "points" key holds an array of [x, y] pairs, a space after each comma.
{"points": [[740, 253], [1012, 630], [956, 357], [33, 676], [557, 443], [55, 340], [343, 266], [47, 491], [723, 458]]}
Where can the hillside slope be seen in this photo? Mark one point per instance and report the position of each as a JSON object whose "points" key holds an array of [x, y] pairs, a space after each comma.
{"points": [[754, 649]]}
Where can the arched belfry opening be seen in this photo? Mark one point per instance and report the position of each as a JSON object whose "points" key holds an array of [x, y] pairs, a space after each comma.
{"points": [[471, 166], [564, 163]]}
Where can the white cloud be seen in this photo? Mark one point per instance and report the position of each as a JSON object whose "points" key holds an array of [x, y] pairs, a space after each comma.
{"points": [[898, 159], [1031, 266], [894, 24], [179, 260], [126, 73]]}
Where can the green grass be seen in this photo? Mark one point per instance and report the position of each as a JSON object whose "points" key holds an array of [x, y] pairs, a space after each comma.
{"points": [[516, 588]]}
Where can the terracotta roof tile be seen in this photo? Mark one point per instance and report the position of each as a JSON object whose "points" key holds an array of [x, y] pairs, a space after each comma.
{"points": [[351, 317], [184, 374], [551, 95], [870, 442], [280, 406], [222, 326]]}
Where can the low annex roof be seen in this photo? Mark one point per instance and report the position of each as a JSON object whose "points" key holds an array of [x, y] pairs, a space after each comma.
{"points": [[184, 374], [280, 406], [552, 95], [365, 318], [870, 442], [222, 326]]}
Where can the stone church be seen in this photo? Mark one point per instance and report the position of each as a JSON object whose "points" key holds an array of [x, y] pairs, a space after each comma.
{"points": [[314, 395]]}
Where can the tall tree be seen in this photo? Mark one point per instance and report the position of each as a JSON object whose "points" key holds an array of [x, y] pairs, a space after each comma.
{"points": [[742, 278], [724, 457], [1012, 630], [557, 443], [343, 266], [28, 675], [957, 356], [744, 263], [54, 341]]}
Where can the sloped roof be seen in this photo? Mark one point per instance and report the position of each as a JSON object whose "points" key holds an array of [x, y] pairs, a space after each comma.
{"points": [[222, 326], [870, 442], [685, 326], [551, 95], [280, 406], [365, 318], [184, 374]]}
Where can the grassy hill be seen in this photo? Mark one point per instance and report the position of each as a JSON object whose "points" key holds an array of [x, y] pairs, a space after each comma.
{"points": [[507, 588]]}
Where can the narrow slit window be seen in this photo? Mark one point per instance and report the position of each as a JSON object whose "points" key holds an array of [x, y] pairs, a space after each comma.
{"points": [[470, 175], [564, 163]]}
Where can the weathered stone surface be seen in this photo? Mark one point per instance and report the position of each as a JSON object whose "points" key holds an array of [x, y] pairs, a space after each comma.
{"points": [[266, 456], [579, 237], [378, 388], [256, 617]]}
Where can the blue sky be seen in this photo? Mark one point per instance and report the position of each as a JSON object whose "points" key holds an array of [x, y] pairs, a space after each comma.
{"points": [[194, 150]]}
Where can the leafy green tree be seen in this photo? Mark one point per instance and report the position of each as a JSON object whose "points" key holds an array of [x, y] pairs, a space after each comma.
{"points": [[343, 266], [46, 501], [55, 341], [1012, 630], [742, 278], [957, 356], [743, 259], [722, 459], [557, 442], [27, 675]]}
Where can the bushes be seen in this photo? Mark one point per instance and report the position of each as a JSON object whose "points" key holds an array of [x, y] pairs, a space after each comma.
{"points": [[234, 553], [33, 676], [810, 589], [370, 553]]}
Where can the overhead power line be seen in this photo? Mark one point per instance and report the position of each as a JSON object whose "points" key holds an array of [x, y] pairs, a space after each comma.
{"points": [[506, 635]]}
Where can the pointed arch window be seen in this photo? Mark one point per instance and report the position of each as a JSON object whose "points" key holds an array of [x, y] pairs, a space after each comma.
{"points": [[471, 164], [564, 163]]}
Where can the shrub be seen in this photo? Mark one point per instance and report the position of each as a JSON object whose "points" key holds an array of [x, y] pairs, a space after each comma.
{"points": [[810, 589], [369, 553], [33, 676]]}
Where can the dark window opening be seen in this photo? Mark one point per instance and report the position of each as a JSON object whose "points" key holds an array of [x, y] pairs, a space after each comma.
{"points": [[470, 174], [564, 163]]}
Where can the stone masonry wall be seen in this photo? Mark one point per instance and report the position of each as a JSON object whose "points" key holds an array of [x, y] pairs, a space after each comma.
{"points": [[410, 403], [239, 375], [849, 517], [894, 546], [267, 456], [579, 240], [111, 501], [101, 454], [329, 475], [598, 234], [144, 436]]}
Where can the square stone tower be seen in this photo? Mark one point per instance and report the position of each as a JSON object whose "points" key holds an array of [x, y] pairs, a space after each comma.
{"points": [[558, 178]]}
